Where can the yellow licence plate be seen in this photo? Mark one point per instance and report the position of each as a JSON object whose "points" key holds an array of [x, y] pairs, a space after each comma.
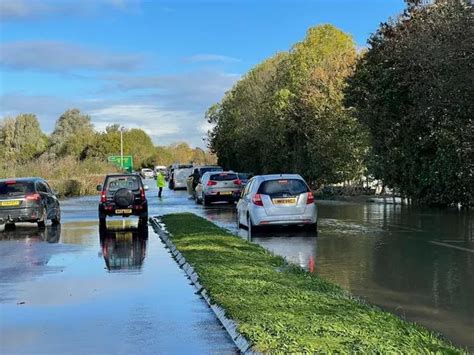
{"points": [[10, 203], [226, 193], [284, 201], [125, 211], [123, 236]]}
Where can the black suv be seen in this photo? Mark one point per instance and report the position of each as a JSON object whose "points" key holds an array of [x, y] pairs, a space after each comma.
{"points": [[123, 195], [28, 200]]}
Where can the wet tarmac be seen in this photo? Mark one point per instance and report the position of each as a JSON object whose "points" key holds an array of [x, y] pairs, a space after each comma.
{"points": [[77, 289]]}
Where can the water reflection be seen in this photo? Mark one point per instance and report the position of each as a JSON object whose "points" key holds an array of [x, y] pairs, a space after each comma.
{"points": [[123, 249], [50, 234]]}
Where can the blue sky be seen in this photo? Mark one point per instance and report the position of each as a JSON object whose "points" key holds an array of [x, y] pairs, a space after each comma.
{"points": [[156, 65]]}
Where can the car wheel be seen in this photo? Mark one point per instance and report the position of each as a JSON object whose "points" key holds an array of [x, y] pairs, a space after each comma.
{"points": [[205, 200], [239, 225], [312, 227], [249, 225]]}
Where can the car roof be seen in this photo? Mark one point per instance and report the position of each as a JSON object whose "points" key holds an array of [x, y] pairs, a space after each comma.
{"points": [[219, 172], [121, 174], [23, 179]]}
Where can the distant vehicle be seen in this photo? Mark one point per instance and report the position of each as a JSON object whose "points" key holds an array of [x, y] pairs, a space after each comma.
{"points": [[193, 180], [123, 195], [179, 178], [277, 200], [171, 170], [218, 186], [28, 200], [147, 173], [244, 178]]}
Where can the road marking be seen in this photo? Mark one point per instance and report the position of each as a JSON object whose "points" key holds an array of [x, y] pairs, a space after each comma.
{"points": [[452, 246]]}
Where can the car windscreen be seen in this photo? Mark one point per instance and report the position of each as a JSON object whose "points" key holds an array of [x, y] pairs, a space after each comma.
{"points": [[122, 182], [205, 170], [15, 188], [283, 187], [223, 177]]}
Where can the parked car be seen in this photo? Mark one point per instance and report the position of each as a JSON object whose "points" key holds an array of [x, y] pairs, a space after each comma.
{"points": [[218, 186], [28, 200], [198, 172], [161, 169], [277, 200], [171, 170], [147, 173], [123, 195], [179, 178]]}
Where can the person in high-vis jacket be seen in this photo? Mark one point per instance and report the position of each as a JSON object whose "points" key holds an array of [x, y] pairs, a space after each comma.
{"points": [[160, 182]]}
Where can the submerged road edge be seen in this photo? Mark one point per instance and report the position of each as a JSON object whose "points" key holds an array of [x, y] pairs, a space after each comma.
{"points": [[229, 325]]}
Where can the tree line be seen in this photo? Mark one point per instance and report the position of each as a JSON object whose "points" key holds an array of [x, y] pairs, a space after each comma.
{"points": [[399, 111], [74, 136]]}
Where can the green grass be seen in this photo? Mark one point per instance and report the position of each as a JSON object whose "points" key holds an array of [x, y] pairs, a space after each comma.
{"points": [[282, 308]]}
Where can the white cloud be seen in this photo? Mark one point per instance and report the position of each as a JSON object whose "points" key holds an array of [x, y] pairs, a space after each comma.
{"points": [[57, 56], [202, 58]]}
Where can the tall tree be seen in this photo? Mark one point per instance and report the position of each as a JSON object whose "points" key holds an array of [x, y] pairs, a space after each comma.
{"points": [[413, 90]]}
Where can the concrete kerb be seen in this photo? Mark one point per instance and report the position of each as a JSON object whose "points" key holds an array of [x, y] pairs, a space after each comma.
{"points": [[230, 326]]}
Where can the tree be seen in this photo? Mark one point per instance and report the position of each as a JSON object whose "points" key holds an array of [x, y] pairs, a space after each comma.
{"points": [[72, 134], [22, 138], [413, 90]]}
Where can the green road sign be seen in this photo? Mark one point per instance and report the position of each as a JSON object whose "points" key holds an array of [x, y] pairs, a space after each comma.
{"points": [[126, 163]]}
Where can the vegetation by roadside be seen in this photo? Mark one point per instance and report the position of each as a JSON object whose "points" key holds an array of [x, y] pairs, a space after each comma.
{"points": [[281, 308], [67, 176]]}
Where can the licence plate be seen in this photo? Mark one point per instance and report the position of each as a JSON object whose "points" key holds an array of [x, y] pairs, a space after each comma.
{"points": [[123, 236], [226, 193], [284, 201], [125, 211], [10, 203]]}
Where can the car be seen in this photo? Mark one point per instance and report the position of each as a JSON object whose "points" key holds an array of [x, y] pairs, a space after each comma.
{"points": [[171, 170], [162, 169], [147, 173], [217, 186], [198, 172], [179, 178], [283, 199], [28, 200], [244, 178], [123, 195]]}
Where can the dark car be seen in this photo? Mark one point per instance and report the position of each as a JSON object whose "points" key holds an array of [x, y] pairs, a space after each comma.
{"points": [[123, 195], [28, 200]]}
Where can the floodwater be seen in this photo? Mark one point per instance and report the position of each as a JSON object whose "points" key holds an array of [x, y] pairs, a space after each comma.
{"points": [[77, 289]]}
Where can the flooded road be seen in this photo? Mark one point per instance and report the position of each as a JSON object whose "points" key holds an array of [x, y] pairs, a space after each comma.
{"points": [[76, 289]]}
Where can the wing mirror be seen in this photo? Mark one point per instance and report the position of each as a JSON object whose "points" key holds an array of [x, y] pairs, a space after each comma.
{"points": [[99, 187], [145, 187]]}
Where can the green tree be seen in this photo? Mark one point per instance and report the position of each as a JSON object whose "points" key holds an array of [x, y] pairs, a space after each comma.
{"points": [[22, 138], [72, 134], [413, 90]]}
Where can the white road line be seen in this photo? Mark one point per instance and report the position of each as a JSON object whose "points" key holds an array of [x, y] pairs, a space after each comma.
{"points": [[452, 246]]}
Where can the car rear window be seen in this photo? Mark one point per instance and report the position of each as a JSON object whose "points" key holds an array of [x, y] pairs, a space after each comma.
{"points": [[223, 177], [15, 188], [205, 170], [182, 173], [123, 182], [283, 187]]}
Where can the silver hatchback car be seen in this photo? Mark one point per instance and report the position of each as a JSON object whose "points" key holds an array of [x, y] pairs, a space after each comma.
{"points": [[217, 186], [277, 200]]}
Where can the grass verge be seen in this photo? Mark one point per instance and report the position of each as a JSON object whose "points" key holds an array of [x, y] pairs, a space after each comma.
{"points": [[282, 308]]}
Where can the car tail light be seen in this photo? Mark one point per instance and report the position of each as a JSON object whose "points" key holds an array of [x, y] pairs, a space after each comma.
{"points": [[310, 198], [257, 200], [103, 196], [33, 197], [237, 182], [142, 193], [10, 182], [211, 183]]}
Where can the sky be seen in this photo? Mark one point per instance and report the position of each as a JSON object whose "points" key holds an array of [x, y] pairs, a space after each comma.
{"points": [[154, 65]]}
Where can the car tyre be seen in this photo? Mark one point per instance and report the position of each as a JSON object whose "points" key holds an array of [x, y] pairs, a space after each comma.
{"points": [[42, 221], [57, 219], [249, 225], [312, 227], [205, 200]]}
